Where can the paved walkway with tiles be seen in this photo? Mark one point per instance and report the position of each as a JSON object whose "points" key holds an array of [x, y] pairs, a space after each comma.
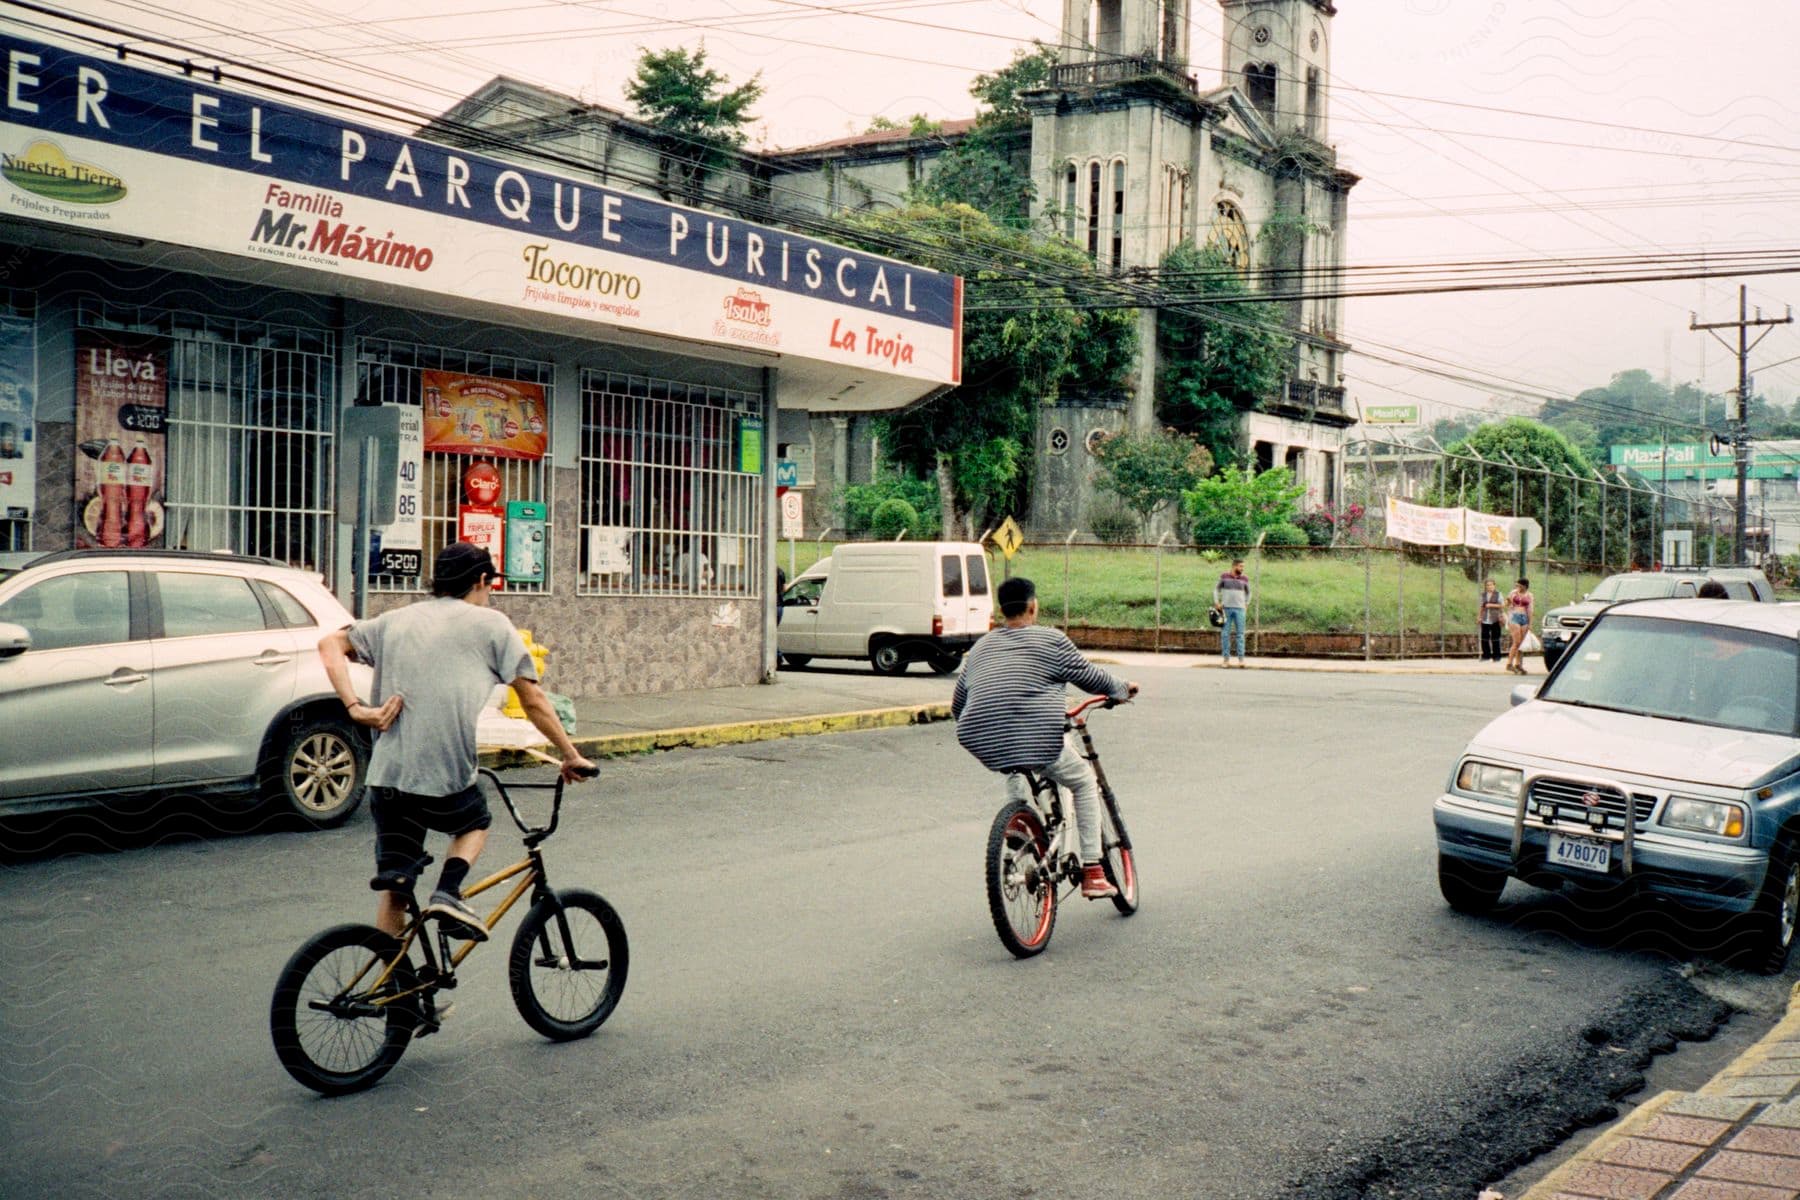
{"points": [[1738, 1138]]}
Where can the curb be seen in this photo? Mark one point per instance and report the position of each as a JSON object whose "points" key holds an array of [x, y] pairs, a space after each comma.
{"points": [[1730, 1139], [732, 733]]}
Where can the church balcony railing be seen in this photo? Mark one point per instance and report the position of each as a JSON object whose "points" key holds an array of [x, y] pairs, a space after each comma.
{"points": [[1312, 396], [1103, 72]]}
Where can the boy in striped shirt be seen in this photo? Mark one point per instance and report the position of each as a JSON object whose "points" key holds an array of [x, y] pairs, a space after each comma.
{"points": [[1009, 713]]}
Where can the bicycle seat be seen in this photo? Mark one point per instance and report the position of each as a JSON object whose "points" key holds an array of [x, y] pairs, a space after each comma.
{"points": [[392, 881]]}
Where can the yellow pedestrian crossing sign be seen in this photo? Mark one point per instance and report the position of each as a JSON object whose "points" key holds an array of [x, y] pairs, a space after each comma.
{"points": [[1009, 537]]}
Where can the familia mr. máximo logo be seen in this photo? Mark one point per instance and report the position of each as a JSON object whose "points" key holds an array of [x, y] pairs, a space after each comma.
{"points": [[44, 170]]}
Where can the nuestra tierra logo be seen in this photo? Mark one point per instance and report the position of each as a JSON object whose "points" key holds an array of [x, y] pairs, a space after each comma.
{"points": [[44, 170]]}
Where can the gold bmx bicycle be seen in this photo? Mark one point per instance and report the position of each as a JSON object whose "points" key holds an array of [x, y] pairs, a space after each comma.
{"points": [[352, 998]]}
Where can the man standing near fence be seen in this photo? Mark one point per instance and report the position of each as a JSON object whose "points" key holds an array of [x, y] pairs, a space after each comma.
{"points": [[1231, 595]]}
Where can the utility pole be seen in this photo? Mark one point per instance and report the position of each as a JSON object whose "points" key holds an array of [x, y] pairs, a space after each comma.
{"points": [[1740, 424]]}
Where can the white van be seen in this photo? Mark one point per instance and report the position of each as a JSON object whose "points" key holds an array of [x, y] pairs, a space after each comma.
{"points": [[893, 603]]}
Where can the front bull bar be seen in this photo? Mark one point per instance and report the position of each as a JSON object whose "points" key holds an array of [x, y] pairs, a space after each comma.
{"points": [[1523, 820]]}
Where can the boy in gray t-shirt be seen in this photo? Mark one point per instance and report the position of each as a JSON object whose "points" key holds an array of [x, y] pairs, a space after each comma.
{"points": [[436, 663]]}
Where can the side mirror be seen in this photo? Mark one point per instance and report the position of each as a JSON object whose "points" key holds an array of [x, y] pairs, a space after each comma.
{"points": [[1524, 693], [14, 640]]}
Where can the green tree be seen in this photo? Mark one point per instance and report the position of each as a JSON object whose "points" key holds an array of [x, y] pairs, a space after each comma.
{"points": [[1216, 360], [701, 114], [1021, 348], [1232, 507], [980, 169], [1150, 472]]}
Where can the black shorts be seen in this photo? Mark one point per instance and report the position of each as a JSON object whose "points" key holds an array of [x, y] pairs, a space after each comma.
{"points": [[401, 819]]}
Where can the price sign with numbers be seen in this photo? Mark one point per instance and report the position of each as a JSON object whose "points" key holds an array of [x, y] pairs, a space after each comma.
{"points": [[403, 542]]}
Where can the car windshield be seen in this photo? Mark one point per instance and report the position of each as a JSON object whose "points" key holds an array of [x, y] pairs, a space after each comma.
{"points": [[1636, 586], [1685, 671]]}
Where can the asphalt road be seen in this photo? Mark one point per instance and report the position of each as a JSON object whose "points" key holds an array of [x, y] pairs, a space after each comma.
{"points": [[818, 1006]]}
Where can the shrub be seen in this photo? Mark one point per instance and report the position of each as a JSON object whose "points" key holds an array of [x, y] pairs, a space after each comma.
{"points": [[893, 515], [1223, 529], [1114, 522], [1318, 526], [857, 504], [1286, 541]]}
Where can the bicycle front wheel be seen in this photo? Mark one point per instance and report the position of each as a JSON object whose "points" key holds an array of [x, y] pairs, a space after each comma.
{"points": [[334, 1026], [1021, 892], [568, 965], [1121, 867]]}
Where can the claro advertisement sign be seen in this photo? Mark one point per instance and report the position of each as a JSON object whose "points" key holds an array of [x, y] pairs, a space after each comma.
{"points": [[111, 147]]}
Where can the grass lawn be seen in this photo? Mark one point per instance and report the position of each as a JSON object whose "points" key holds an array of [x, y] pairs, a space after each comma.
{"points": [[1316, 592]]}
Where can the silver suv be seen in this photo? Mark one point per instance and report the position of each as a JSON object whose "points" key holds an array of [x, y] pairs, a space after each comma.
{"points": [[1563, 625], [130, 672]]}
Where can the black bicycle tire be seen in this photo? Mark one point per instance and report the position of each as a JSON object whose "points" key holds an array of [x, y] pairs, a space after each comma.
{"points": [[1020, 947], [542, 920], [284, 1012], [1117, 857]]}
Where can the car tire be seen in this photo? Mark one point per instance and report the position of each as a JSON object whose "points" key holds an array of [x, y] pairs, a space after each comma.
{"points": [[795, 661], [1768, 929], [1469, 888], [316, 776], [888, 659]]}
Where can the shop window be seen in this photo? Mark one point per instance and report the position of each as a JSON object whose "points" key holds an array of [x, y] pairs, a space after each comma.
{"points": [[249, 435], [396, 373], [671, 488]]}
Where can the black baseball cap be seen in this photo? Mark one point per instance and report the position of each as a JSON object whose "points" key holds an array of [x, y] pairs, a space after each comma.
{"points": [[459, 567], [1014, 594]]}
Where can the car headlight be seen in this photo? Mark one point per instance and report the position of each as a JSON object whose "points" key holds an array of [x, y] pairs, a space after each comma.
{"points": [[1487, 779], [1704, 816]]}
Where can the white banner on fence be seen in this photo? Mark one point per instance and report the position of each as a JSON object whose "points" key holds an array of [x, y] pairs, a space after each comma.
{"points": [[1423, 526], [1485, 531]]}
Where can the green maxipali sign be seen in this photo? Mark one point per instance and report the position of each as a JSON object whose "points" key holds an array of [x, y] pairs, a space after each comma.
{"points": [[1391, 414]]}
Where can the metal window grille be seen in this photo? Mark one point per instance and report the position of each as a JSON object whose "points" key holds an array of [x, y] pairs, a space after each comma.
{"points": [[664, 509], [388, 372], [251, 421], [16, 443]]}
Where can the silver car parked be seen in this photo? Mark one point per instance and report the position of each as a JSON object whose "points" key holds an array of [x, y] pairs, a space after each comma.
{"points": [[131, 672], [1661, 754]]}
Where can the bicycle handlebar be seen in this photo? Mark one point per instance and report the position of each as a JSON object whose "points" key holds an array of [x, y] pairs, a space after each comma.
{"points": [[537, 833], [1095, 702]]}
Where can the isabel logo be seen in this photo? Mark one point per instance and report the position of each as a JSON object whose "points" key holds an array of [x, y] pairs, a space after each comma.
{"points": [[747, 306], [44, 170]]}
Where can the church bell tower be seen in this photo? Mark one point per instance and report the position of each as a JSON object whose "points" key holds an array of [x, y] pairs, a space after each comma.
{"points": [[1278, 53]]}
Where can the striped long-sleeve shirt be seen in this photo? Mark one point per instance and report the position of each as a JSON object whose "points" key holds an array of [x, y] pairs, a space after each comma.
{"points": [[1009, 699]]}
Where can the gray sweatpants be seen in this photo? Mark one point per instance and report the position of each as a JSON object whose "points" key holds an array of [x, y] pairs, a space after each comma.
{"points": [[1077, 774]]}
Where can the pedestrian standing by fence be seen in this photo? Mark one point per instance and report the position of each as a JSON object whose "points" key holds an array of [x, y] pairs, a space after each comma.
{"points": [[1491, 618], [1518, 624], [1231, 595]]}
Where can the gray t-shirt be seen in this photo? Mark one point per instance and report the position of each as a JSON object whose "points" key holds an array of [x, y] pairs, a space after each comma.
{"points": [[444, 657]]}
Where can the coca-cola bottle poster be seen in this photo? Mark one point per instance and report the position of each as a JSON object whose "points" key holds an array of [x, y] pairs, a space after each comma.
{"points": [[121, 402]]}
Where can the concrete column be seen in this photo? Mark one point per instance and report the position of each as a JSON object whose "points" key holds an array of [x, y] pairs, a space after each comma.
{"points": [[1142, 417], [840, 451]]}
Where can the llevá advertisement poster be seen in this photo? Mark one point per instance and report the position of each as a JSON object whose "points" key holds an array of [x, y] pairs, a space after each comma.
{"points": [[121, 402], [471, 414], [18, 418]]}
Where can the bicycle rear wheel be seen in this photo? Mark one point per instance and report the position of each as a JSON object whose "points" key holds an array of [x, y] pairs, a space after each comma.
{"points": [[1021, 892], [568, 974], [1121, 867], [332, 1030]]}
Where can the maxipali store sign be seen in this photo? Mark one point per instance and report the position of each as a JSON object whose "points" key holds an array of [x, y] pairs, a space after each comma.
{"points": [[94, 143]]}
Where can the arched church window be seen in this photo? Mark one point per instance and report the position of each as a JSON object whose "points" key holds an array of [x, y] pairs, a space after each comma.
{"points": [[1259, 87], [1093, 211], [1230, 237], [1070, 200]]}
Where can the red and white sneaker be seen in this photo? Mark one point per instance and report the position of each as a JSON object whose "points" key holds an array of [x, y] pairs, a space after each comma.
{"points": [[1094, 885]]}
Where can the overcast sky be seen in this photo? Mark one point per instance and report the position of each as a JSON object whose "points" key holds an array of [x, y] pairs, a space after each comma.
{"points": [[1632, 126]]}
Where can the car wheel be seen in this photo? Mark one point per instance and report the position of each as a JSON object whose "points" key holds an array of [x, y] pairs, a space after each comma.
{"points": [[1469, 888], [796, 660], [887, 659], [1768, 933], [316, 776]]}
